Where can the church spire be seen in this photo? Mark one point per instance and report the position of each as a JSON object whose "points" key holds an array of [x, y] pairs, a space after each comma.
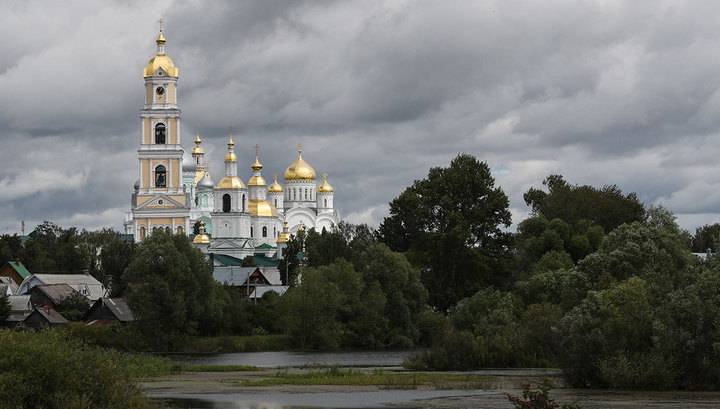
{"points": [[161, 39]]}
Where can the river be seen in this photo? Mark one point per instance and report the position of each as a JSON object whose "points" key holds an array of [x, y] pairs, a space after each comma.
{"points": [[222, 391], [301, 359]]}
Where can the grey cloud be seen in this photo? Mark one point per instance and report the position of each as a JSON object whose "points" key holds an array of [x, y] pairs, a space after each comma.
{"points": [[619, 93]]}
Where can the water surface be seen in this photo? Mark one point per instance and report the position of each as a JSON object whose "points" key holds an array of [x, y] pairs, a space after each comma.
{"points": [[297, 359]]}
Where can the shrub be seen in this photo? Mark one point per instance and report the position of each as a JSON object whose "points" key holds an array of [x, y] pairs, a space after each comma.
{"points": [[47, 371]]}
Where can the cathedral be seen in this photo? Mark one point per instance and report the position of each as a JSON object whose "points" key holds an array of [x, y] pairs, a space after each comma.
{"points": [[175, 191]]}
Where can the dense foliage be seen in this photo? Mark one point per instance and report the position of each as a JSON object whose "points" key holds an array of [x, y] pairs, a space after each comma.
{"points": [[171, 291], [52, 372], [451, 224], [607, 206]]}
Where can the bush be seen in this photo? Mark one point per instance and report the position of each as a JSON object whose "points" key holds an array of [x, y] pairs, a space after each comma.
{"points": [[538, 399], [47, 371]]}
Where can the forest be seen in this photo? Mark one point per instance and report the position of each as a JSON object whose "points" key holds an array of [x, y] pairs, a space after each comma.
{"points": [[593, 282]]}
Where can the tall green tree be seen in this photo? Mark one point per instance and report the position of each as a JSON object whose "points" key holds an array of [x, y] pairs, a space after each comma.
{"points": [[172, 292], [608, 206], [451, 224]]}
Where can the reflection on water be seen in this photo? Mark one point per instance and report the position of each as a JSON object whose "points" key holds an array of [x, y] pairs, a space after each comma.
{"points": [[340, 400], [282, 359]]}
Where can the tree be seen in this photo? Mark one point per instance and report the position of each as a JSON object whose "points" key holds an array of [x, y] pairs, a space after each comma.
{"points": [[706, 238], [10, 248], [172, 292], [451, 224], [610, 340], [606, 206], [310, 311], [74, 307]]}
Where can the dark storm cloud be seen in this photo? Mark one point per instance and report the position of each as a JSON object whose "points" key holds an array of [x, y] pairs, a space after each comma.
{"points": [[377, 91]]}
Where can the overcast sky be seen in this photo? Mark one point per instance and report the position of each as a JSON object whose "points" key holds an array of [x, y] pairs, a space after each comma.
{"points": [[602, 92]]}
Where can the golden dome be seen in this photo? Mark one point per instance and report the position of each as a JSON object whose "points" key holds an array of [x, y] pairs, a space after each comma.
{"points": [[275, 187], [325, 187], [261, 208], [257, 181], [256, 166], [300, 170], [201, 237], [230, 156], [231, 182], [198, 149]]}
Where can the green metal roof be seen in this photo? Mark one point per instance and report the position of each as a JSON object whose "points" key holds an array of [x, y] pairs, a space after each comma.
{"points": [[264, 246], [227, 260], [262, 261], [259, 258], [20, 269]]}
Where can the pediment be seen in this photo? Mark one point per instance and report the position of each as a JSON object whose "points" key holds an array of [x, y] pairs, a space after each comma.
{"points": [[231, 244], [161, 202]]}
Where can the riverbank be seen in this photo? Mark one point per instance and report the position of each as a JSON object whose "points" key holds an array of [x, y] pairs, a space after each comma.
{"points": [[218, 388]]}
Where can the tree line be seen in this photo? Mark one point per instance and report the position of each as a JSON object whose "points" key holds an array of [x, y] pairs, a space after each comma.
{"points": [[592, 281]]}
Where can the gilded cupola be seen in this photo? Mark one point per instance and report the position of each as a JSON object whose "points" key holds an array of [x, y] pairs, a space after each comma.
{"points": [[299, 169], [256, 179], [325, 187], [231, 180], [275, 187], [161, 60]]}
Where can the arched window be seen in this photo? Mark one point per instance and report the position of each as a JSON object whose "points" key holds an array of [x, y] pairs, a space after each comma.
{"points": [[155, 229], [168, 230], [306, 194], [276, 203], [226, 203], [160, 134], [252, 233], [143, 233], [274, 231], [243, 203], [160, 176], [325, 202], [179, 230], [264, 231]]}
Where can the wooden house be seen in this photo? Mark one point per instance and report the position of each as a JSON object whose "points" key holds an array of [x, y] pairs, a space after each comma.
{"points": [[42, 318], [108, 310], [51, 295], [14, 270]]}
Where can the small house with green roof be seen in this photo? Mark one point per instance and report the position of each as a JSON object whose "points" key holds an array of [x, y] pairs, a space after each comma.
{"points": [[14, 270]]}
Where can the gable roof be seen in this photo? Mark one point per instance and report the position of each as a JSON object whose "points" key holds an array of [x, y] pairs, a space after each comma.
{"points": [[19, 269], [117, 306], [49, 314], [57, 293], [85, 284], [265, 246]]}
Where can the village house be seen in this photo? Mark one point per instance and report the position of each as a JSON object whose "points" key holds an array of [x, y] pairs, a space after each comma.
{"points": [[20, 308], [109, 310], [51, 295], [43, 317], [85, 284], [252, 281], [14, 270]]}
